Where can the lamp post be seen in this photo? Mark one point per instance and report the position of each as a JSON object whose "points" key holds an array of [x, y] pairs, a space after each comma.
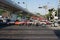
{"points": [[23, 3], [45, 7], [18, 2]]}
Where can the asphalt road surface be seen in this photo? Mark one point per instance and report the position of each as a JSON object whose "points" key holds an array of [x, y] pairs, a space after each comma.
{"points": [[17, 32]]}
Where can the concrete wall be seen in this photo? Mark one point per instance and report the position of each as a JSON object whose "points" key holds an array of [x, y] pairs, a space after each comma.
{"points": [[6, 14]]}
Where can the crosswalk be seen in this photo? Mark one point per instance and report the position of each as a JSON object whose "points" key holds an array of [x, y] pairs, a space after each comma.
{"points": [[27, 33]]}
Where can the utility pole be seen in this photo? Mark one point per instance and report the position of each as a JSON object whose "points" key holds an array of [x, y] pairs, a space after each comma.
{"points": [[58, 9], [58, 12]]}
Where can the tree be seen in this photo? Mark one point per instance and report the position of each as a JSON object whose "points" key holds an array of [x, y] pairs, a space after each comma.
{"points": [[38, 14], [19, 14], [1, 11]]}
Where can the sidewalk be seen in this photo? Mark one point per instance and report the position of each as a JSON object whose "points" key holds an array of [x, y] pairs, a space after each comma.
{"points": [[54, 28]]}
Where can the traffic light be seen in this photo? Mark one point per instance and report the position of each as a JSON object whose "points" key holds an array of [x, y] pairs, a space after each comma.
{"points": [[51, 17], [50, 10]]}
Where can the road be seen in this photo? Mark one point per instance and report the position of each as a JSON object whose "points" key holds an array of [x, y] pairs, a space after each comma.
{"points": [[28, 33]]}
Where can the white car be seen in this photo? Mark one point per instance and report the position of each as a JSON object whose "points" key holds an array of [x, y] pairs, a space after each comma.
{"points": [[36, 22], [11, 22], [43, 22], [30, 22]]}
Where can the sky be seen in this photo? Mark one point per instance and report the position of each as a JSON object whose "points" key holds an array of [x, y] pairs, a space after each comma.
{"points": [[32, 5]]}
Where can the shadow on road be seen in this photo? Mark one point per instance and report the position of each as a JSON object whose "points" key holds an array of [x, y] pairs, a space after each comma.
{"points": [[13, 39], [57, 32], [2, 26]]}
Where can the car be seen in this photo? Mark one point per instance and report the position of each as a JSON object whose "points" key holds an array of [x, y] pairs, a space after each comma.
{"points": [[36, 22], [17, 22], [48, 22], [43, 22], [11, 22], [55, 23], [3, 22], [30, 22], [59, 22]]}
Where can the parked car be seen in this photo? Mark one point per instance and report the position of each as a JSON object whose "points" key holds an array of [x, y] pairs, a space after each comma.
{"points": [[2, 23], [17, 22], [43, 22], [36, 22], [30, 22], [59, 22], [55, 23], [48, 22], [11, 22]]}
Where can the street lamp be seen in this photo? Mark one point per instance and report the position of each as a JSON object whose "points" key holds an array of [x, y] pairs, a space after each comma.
{"points": [[39, 7], [23, 3], [45, 7], [18, 2]]}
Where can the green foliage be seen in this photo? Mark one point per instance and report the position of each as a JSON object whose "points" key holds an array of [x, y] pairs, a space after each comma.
{"points": [[38, 14], [19, 14], [1, 11]]}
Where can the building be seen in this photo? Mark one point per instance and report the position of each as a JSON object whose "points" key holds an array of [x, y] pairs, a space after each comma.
{"points": [[59, 10], [13, 8], [6, 14]]}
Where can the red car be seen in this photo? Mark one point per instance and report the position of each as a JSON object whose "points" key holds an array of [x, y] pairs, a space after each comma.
{"points": [[20, 22]]}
